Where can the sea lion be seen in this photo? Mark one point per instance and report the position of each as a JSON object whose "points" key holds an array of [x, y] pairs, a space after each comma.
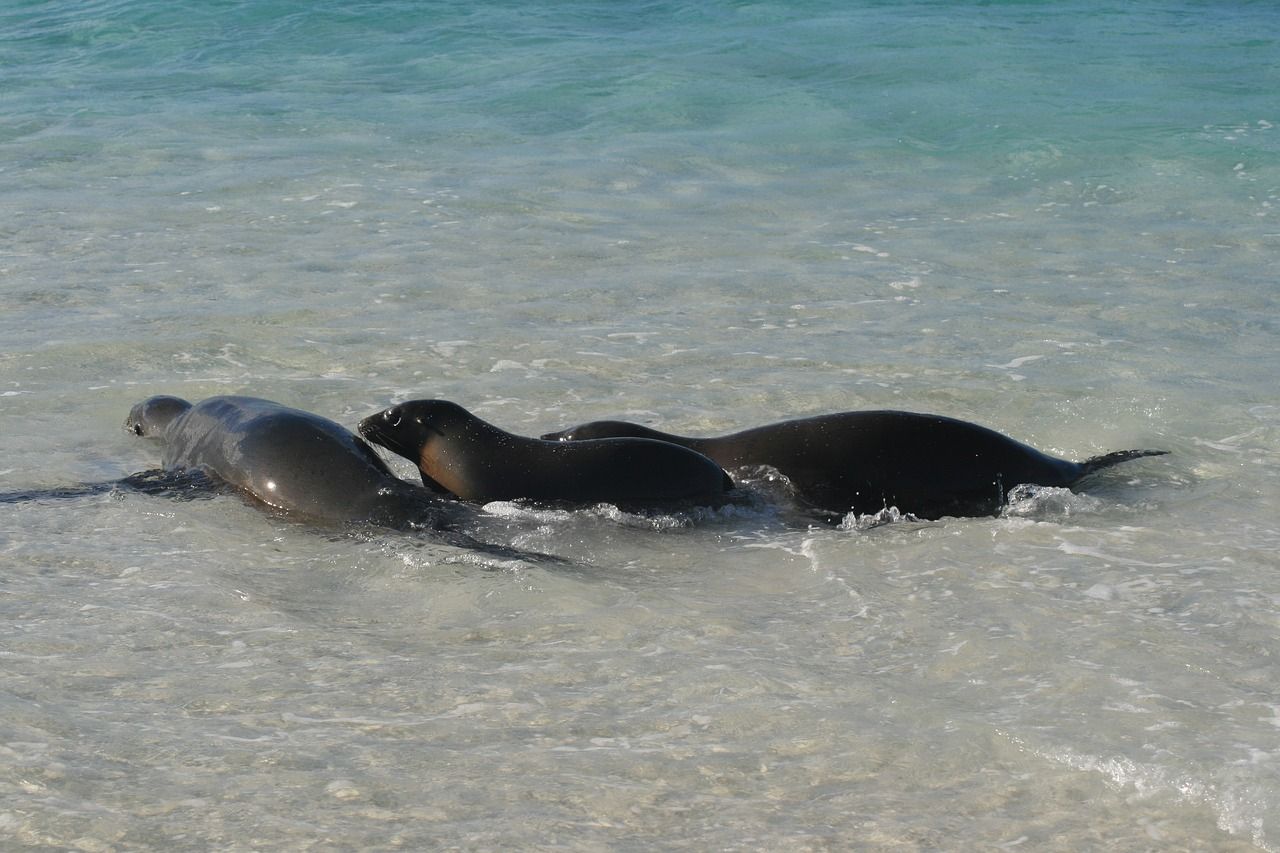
{"points": [[475, 460], [286, 458], [929, 466]]}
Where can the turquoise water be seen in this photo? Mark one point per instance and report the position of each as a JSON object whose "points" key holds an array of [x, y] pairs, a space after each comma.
{"points": [[1059, 220]]}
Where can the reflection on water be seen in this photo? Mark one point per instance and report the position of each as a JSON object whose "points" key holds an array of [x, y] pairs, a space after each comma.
{"points": [[700, 219]]}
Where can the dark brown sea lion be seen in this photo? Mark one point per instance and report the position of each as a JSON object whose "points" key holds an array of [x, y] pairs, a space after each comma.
{"points": [[459, 453], [927, 465]]}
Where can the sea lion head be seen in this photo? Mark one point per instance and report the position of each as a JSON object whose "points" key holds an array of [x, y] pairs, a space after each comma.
{"points": [[407, 428], [418, 430], [150, 417]]}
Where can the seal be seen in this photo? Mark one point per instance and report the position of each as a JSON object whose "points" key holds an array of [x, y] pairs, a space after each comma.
{"points": [[929, 466], [286, 458], [475, 460]]}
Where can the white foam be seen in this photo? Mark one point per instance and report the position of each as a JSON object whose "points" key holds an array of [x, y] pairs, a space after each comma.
{"points": [[1049, 503], [867, 521], [1241, 807], [658, 520]]}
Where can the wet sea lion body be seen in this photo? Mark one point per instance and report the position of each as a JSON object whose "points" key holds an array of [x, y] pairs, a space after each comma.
{"points": [[927, 465], [459, 453], [287, 458]]}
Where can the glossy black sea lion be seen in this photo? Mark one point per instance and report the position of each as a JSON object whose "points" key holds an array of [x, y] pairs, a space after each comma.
{"points": [[927, 465], [459, 453], [286, 458]]}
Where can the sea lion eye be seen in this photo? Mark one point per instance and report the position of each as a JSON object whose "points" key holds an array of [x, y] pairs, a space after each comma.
{"points": [[393, 417]]}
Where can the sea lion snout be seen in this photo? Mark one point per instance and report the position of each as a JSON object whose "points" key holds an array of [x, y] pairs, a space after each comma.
{"points": [[372, 426], [397, 429]]}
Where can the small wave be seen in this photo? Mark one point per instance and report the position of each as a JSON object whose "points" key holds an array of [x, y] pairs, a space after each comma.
{"points": [[869, 520], [766, 485], [1241, 808], [519, 511], [1049, 503], [1029, 501]]}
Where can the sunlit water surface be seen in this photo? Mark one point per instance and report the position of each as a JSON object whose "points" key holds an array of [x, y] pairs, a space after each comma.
{"points": [[1059, 221]]}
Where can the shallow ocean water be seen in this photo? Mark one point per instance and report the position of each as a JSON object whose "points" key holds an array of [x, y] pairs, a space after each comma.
{"points": [[1056, 220]]}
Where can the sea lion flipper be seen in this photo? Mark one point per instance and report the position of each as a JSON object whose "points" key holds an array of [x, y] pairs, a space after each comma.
{"points": [[1106, 460], [182, 485]]}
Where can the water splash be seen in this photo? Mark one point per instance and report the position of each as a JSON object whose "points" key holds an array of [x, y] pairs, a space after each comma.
{"points": [[1049, 503], [1241, 807]]}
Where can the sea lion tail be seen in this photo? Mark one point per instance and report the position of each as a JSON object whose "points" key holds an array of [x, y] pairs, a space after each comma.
{"points": [[1106, 460]]}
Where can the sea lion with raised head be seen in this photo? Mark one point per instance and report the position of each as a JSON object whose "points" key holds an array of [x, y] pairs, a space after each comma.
{"points": [[475, 460], [929, 466]]}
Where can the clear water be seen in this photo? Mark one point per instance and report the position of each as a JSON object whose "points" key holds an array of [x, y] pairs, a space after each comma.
{"points": [[1059, 220]]}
